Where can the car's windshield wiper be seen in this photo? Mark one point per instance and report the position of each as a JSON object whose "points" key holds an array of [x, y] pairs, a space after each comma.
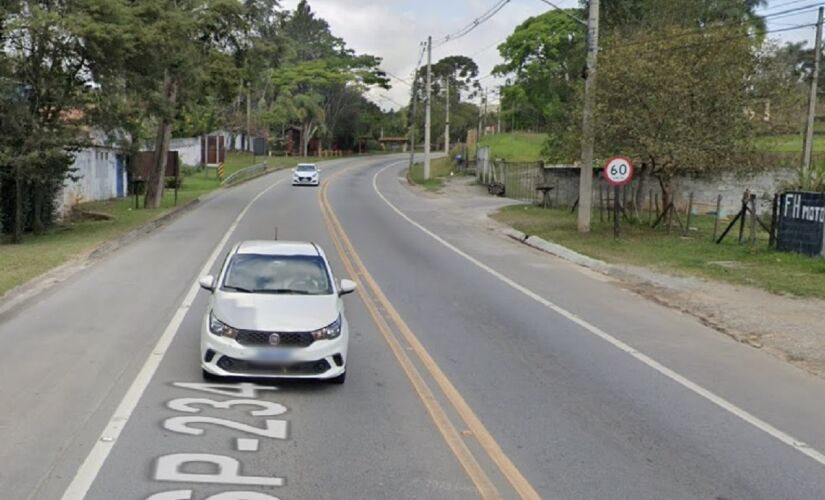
{"points": [[284, 291], [236, 289]]}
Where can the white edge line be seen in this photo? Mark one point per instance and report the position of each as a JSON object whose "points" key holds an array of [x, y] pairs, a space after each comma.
{"points": [[88, 471], [719, 401]]}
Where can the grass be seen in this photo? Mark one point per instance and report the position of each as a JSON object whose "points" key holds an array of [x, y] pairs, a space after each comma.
{"points": [[439, 169], [788, 143], [694, 255], [515, 146], [41, 253]]}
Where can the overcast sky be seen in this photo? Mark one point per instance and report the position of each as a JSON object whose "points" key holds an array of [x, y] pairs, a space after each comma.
{"points": [[393, 29]]}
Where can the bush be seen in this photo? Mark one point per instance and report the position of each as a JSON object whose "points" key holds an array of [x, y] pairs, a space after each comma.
{"points": [[169, 183]]}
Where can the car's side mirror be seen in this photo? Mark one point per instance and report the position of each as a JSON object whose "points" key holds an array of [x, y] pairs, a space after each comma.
{"points": [[207, 283], [347, 287]]}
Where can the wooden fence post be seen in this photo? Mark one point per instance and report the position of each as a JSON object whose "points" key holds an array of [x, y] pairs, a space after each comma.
{"points": [[753, 219], [718, 216], [774, 213], [689, 214]]}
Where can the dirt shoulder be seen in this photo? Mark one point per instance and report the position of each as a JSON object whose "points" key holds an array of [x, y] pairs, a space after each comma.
{"points": [[788, 327]]}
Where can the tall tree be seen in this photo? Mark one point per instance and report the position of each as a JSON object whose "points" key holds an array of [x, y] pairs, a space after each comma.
{"points": [[675, 99], [181, 47], [54, 52], [543, 59]]}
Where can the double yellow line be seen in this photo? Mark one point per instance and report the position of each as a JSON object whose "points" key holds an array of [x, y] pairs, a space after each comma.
{"points": [[384, 315]]}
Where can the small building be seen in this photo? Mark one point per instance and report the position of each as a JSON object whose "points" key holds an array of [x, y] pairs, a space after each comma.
{"points": [[99, 173], [394, 143]]}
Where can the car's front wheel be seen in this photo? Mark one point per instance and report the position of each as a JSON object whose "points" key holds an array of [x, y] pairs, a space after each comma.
{"points": [[211, 377], [340, 379]]}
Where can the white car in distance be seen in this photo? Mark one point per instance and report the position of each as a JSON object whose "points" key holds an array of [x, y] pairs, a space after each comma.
{"points": [[306, 174], [275, 311]]}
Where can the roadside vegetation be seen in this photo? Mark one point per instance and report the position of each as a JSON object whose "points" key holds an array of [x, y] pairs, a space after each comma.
{"points": [[100, 221], [692, 255], [516, 146], [440, 169]]}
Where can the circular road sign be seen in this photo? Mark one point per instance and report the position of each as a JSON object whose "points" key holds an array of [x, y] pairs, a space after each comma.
{"points": [[618, 171]]}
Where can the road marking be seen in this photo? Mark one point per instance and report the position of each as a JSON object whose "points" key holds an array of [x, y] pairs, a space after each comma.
{"points": [[246, 444], [719, 401], [454, 439], [90, 468]]}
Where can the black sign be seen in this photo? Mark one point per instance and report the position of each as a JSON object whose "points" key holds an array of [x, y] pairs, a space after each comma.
{"points": [[801, 221]]}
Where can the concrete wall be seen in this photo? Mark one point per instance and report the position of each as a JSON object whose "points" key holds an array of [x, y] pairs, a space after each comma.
{"points": [[705, 190], [189, 150], [97, 171]]}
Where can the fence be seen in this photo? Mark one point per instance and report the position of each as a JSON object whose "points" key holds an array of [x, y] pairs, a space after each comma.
{"points": [[522, 180], [248, 173]]}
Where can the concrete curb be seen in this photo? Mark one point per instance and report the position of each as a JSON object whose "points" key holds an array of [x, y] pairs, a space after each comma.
{"points": [[637, 276], [559, 251]]}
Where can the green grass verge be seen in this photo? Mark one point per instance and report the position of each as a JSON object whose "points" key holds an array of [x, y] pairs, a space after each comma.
{"points": [[515, 146], [694, 255], [787, 143], [41, 253], [439, 169]]}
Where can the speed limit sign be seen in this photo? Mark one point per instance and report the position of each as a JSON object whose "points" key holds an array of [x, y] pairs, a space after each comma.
{"points": [[618, 171]]}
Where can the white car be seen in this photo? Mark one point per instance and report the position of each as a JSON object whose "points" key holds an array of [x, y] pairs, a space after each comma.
{"points": [[306, 174], [275, 312]]}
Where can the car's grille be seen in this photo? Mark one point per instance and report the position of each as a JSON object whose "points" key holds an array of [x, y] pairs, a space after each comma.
{"points": [[233, 365], [291, 339]]}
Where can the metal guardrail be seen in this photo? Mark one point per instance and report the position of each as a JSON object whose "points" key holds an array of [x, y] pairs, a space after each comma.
{"points": [[248, 173]]}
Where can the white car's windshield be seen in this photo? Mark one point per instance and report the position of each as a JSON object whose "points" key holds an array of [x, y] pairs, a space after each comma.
{"points": [[278, 274], [306, 168]]}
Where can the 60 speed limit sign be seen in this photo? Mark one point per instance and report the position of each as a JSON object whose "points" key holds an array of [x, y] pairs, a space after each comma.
{"points": [[618, 171]]}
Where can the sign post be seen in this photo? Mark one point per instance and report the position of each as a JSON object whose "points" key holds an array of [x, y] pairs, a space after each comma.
{"points": [[617, 172]]}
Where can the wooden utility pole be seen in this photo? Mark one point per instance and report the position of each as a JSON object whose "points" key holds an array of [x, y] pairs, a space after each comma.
{"points": [[588, 129], [809, 129], [447, 120], [428, 116]]}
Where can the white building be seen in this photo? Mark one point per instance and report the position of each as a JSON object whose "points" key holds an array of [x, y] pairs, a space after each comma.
{"points": [[100, 173]]}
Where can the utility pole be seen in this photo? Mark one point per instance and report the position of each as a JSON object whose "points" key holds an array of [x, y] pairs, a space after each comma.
{"points": [[588, 129], [809, 129], [413, 121], [447, 121], [248, 116], [428, 116], [480, 114]]}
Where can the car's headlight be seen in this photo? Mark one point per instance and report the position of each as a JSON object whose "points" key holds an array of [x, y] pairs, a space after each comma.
{"points": [[221, 329], [329, 332]]}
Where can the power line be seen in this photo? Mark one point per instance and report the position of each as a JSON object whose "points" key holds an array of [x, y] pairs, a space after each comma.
{"points": [[795, 10], [564, 11], [489, 14], [405, 82], [783, 4], [705, 43]]}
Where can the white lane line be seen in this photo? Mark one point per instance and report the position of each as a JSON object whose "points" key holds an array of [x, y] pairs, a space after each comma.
{"points": [[719, 401], [90, 468]]}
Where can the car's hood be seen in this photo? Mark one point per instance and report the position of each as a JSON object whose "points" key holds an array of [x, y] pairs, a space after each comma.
{"points": [[275, 313]]}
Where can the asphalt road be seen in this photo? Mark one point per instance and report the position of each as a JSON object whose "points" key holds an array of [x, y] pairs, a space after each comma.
{"points": [[477, 367]]}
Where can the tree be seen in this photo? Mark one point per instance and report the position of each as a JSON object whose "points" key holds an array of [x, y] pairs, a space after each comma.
{"points": [[544, 58], [676, 99], [317, 62], [181, 48], [54, 52]]}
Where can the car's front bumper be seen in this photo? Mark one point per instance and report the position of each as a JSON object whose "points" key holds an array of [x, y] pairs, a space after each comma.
{"points": [[305, 181], [324, 359]]}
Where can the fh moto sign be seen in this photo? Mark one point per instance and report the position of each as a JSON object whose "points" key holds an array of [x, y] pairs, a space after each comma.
{"points": [[618, 171]]}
